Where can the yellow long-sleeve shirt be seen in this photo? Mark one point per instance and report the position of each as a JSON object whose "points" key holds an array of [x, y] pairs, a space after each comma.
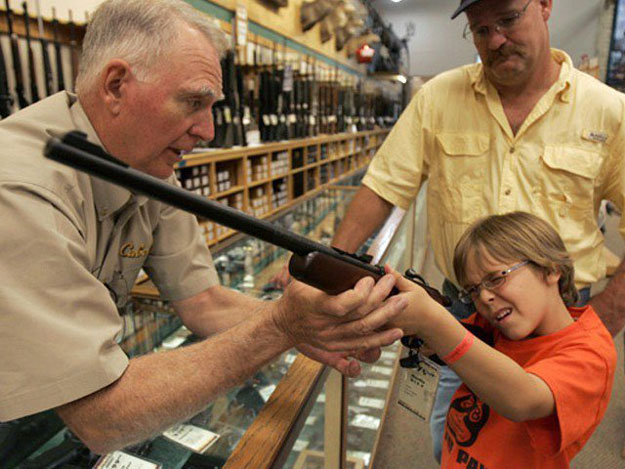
{"points": [[567, 156]]}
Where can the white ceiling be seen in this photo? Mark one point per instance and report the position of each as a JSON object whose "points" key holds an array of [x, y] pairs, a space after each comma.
{"points": [[438, 45]]}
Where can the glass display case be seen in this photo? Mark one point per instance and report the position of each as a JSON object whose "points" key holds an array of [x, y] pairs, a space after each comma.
{"points": [[209, 438]]}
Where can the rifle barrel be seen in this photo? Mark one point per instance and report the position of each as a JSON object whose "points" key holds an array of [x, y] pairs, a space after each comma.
{"points": [[74, 151]]}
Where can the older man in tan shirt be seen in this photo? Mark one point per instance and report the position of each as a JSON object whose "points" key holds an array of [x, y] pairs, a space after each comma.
{"points": [[73, 245]]}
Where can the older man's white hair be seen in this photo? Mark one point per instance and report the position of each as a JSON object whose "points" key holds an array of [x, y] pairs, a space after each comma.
{"points": [[141, 32]]}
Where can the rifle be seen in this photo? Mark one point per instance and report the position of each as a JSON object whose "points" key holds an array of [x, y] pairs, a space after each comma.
{"points": [[228, 126], [328, 269], [6, 100], [34, 91], [17, 63], [57, 49], [243, 110], [73, 47], [47, 69]]}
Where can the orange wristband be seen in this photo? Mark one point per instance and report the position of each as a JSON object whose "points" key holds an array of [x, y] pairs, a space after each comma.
{"points": [[462, 348]]}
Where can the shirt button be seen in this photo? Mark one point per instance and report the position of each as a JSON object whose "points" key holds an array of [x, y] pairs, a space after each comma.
{"points": [[512, 149], [507, 192]]}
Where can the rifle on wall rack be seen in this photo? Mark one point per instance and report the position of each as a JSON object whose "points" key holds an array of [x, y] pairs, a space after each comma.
{"points": [[17, 62], [47, 68], [328, 269], [60, 78], [74, 50], [34, 91], [6, 100]]}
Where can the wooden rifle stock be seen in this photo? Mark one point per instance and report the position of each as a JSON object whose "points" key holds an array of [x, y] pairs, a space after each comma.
{"points": [[315, 264]]}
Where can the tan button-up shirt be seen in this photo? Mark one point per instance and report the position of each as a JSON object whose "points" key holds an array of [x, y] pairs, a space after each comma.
{"points": [[567, 156], [72, 247]]}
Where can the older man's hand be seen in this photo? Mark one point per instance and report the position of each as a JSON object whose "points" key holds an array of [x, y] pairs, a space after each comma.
{"points": [[350, 322]]}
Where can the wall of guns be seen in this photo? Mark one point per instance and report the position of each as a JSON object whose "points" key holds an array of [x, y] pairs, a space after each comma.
{"points": [[272, 94], [37, 57]]}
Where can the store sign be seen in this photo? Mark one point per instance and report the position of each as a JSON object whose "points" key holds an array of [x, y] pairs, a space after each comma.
{"points": [[365, 54]]}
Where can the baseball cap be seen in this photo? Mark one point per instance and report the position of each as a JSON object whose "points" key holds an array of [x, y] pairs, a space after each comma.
{"points": [[464, 4]]}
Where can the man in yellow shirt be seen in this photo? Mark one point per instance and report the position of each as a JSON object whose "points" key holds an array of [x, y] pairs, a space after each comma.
{"points": [[523, 130]]}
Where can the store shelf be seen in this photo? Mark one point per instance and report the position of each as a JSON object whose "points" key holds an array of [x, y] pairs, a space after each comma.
{"points": [[304, 167]]}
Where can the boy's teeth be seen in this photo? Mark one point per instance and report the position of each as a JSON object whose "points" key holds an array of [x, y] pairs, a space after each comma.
{"points": [[503, 314]]}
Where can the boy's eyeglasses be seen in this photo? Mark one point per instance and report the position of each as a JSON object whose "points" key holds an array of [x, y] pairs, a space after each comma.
{"points": [[501, 26], [493, 281]]}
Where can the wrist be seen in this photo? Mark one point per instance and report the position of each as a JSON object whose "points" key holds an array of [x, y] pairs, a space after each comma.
{"points": [[279, 322]]}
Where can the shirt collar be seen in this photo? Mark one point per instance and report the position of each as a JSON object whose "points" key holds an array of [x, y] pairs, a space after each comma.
{"points": [[109, 198], [563, 84]]}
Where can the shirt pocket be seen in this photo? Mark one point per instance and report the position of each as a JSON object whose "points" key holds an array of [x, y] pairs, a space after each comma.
{"points": [[458, 176], [564, 194], [568, 177]]}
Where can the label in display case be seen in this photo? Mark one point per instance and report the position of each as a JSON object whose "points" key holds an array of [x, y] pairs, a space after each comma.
{"points": [[365, 421], [267, 391], [195, 438], [377, 383], [417, 388], [121, 460], [300, 445], [371, 402], [383, 370]]}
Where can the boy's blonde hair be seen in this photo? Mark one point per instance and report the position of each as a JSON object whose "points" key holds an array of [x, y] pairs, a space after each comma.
{"points": [[517, 236]]}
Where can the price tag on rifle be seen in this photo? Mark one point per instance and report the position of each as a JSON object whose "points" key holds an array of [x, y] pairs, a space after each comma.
{"points": [[266, 120], [287, 81], [227, 115], [247, 118], [292, 118], [417, 388], [121, 460], [241, 25], [274, 119]]}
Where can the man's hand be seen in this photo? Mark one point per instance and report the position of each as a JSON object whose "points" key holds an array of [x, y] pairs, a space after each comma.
{"points": [[341, 361], [282, 278], [347, 322]]}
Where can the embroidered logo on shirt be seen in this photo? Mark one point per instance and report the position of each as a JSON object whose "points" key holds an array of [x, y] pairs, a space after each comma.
{"points": [[129, 250], [595, 136]]}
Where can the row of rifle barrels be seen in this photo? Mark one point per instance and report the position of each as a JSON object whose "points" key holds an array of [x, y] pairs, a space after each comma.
{"points": [[20, 98]]}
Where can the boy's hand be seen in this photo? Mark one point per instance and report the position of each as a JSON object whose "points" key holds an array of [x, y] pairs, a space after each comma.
{"points": [[420, 307]]}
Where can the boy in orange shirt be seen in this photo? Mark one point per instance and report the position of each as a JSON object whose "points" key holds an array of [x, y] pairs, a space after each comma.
{"points": [[538, 385]]}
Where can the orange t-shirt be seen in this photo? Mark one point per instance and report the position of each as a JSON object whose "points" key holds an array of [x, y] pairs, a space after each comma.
{"points": [[577, 363]]}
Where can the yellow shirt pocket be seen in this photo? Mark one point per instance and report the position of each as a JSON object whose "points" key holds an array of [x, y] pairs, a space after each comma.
{"points": [[458, 176], [568, 176]]}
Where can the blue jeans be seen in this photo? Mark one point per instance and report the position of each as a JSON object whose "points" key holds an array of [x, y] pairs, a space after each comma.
{"points": [[449, 381]]}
